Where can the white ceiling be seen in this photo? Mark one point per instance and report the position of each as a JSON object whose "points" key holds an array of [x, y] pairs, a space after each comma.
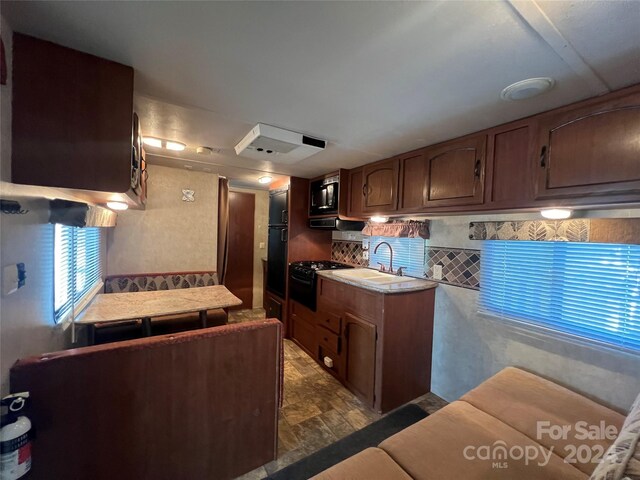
{"points": [[374, 79]]}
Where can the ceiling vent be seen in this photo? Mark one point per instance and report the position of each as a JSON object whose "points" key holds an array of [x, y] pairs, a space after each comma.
{"points": [[265, 142]]}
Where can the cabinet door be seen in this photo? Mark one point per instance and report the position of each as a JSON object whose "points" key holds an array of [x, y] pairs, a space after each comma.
{"points": [[455, 172], [356, 193], [510, 165], [592, 150], [72, 118], [360, 356], [413, 180], [381, 186]]}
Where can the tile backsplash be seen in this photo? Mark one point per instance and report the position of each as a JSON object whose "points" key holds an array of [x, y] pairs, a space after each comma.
{"points": [[460, 267], [349, 252]]}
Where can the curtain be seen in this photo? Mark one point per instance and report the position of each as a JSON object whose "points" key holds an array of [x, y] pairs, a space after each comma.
{"points": [[398, 228], [223, 227]]}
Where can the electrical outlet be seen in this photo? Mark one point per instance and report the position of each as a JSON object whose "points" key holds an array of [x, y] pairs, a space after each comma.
{"points": [[437, 272], [365, 254]]}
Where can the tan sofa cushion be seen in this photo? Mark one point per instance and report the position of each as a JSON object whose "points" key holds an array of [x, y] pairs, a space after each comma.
{"points": [[521, 399], [434, 449], [370, 464]]}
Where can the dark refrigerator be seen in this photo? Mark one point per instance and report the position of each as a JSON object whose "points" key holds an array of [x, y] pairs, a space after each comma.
{"points": [[277, 246]]}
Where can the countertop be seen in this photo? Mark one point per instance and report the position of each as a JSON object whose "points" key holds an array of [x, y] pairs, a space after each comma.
{"points": [[411, 285], [109, 307]]}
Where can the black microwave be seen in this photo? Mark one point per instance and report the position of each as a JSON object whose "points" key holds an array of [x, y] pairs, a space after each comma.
{"points": [[324, 195]]}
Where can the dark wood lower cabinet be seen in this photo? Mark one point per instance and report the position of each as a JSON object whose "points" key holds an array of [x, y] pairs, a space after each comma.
{"points": [[303, 327], [360, 356], [379, 346]]}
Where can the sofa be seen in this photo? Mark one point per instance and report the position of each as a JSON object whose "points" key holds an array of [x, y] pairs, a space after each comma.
{"points": [[190, 405], [515, 425]]}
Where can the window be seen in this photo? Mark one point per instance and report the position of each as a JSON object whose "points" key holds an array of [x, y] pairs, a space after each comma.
{"points": [[407, 253], [77, 268], [586, 290]]}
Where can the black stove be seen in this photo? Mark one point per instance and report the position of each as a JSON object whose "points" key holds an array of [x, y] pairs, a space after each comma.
{"points": [[303, 279], [318, 265]]}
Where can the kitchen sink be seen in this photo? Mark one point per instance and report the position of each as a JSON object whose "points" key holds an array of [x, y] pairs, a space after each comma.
{"points": [[371, 277]]}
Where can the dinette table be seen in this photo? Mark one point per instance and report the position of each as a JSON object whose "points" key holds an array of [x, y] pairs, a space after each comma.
{"points": [[118, 307]]}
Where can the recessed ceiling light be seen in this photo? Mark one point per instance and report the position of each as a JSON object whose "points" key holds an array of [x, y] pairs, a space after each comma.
{"points": [[379, 219], [265, 179], [153, 142], [529, 88], [177, 146], [117, 205], [556, 213]]}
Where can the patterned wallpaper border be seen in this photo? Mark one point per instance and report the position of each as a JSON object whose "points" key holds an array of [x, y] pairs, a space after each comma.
{"points": [[594, 230], [460, 267], [532, 230]]}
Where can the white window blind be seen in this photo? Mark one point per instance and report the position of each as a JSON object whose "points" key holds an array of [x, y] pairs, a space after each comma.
{"points": [[77, 267], [586, 290], [407, 252]]}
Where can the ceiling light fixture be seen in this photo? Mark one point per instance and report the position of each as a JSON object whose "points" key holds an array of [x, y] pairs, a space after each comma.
{"points": [[153, 142], [177, 146], [529, 88], [556, 213], [265, 179], [379, 219], [120, 206], [162, 143]]}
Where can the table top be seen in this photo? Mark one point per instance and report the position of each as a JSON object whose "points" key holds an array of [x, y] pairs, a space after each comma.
{"points": [[111, 307]]}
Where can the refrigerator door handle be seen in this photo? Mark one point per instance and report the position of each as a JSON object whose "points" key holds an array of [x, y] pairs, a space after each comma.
{"points": [[283, 235], [284, 216]]}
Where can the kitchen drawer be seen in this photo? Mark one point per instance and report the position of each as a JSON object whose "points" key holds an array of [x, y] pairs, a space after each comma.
{"points": [[303, 313], [330, 321], [328, 339], [303, 334], [337, 297]]}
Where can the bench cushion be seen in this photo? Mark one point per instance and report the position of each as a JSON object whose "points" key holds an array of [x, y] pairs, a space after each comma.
{"points": [[434, 449], [521, 400], [370, 464]]}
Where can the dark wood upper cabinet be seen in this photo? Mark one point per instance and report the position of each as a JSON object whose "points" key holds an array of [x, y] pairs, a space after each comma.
{"points": [[355, 197], [72, 118], [360, 356], [380, 186], [510, 165], [590, 150], [413, 180], [455, 172]]}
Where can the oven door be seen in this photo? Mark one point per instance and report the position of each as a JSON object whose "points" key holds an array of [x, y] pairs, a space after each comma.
{"points": [[302, 289]]}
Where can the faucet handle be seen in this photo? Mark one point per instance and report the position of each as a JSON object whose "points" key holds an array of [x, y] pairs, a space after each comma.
{"points": [[382, 267], [400, 271]]}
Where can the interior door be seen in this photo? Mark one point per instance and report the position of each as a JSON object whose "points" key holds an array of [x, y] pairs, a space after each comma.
{"points": [[239, 278]]}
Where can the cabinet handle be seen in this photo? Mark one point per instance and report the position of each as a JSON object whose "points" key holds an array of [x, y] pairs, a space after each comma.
{"points": [[364, 190], [543, 156], [476, 169]]}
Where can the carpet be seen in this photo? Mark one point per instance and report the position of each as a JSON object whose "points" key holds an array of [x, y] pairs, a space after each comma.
{"points": [[369, 436]]}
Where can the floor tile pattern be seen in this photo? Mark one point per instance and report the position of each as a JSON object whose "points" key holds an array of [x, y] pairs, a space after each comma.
{"points": [[460, 267], [317, 409]]}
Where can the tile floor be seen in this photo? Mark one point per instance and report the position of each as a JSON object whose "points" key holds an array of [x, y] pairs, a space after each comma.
{"points": [[317, 410]]}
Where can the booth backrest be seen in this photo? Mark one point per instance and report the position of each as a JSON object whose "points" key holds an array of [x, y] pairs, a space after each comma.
{"points": [[191, 405]]}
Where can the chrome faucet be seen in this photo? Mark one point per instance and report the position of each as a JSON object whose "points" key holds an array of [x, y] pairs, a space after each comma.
{"points": [[390, 256]]}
